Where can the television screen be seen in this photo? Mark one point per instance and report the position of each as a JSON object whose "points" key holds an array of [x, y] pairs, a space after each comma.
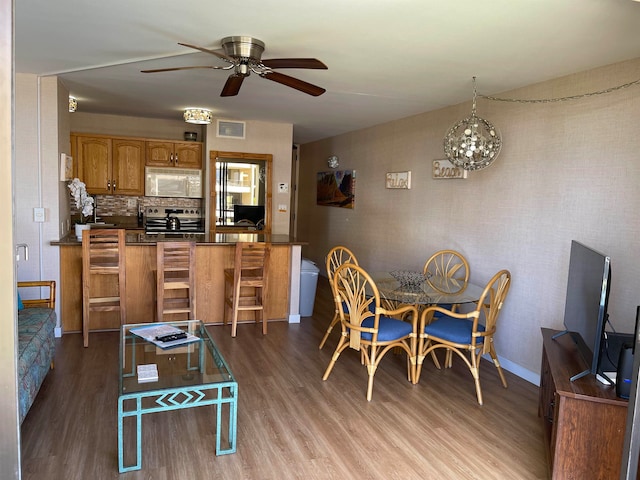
{"points": [[253, 213], [585, 311]]}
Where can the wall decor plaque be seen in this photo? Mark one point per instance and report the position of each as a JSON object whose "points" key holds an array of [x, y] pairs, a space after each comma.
{"points": [[398, 180], [445, 170]]}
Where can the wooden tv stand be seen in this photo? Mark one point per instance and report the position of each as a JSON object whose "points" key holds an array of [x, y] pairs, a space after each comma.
{"points": [[584, 421]]}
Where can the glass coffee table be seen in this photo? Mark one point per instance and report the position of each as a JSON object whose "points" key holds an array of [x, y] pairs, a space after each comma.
{"points": [[188, 375]]}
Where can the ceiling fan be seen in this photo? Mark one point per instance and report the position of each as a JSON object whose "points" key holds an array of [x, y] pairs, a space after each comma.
{"points": [[244, 56]]}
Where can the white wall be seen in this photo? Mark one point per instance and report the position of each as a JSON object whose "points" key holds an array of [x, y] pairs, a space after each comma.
{"points": [[9, 423], [42, 133], [567, 170]]}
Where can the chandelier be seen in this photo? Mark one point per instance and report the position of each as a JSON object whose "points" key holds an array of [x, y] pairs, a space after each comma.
{"points": [[198, 116], [472, 143]]}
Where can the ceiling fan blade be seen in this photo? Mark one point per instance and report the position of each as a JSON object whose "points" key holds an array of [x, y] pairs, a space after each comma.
{"points": [[294, 83], [181, 68], [294, 63], [232, 86], [212, 52]]}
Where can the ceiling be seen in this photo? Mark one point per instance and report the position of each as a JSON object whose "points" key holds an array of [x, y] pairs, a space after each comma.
{"points": [[387, 59]]}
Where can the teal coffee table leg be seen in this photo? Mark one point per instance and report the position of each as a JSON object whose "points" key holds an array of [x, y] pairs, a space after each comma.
{"points": [[121, 416], [232, 400]]}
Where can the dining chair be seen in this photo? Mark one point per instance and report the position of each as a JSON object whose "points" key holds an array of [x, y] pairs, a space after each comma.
{"points": [[470, 332], [246, 283], [368, 327], [336, 257], [448, 264], [451, 266]]}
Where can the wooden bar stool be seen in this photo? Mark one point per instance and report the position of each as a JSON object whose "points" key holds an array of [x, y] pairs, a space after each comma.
{"points": [[246, 283], [176, 283], [103, 275]]}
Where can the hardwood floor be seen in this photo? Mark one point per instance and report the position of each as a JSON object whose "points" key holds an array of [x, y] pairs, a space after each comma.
{"points": [[291, 424]]}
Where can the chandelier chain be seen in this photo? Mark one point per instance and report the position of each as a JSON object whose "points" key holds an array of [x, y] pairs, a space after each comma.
{"points": [[475, 94], [557, 99]]}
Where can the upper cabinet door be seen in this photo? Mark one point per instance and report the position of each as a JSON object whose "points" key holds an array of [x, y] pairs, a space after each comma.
{"points": [[160, 154], [94, 163], [128, 167], [188, 155]]}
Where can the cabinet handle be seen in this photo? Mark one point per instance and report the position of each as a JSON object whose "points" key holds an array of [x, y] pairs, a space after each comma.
{"points": [[114, 185], [550, 411], [176, 158], [171, 157], [108, 184]]}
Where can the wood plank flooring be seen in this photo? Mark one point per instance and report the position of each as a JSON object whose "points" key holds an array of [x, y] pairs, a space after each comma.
{"points": [[291, 424]]}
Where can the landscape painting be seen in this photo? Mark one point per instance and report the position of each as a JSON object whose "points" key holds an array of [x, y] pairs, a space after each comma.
{"points": [[337, 188]]}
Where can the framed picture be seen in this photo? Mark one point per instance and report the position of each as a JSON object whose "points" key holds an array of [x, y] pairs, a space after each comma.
{"points": [[336, 189], [398, 180], [66, 167]]}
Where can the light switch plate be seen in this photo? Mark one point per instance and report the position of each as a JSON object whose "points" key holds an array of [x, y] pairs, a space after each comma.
{"points": [[283, 187], [38, 214], [282, 208]]}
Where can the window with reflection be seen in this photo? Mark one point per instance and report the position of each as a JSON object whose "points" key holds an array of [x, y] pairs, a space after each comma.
{"points": [[241, 200]]}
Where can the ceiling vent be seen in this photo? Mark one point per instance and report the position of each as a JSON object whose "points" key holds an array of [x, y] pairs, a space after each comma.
{"points": [[230, 129]]}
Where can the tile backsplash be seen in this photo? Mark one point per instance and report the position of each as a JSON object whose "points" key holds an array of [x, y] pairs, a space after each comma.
{"points": [[127, 205]]}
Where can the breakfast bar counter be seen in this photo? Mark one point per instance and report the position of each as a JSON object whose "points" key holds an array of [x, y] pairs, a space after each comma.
{"points": [[214, 253]]}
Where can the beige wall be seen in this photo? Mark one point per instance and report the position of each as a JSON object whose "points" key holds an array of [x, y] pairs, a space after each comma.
{"points": [[567, 170], [264, 137], [132, 126]]}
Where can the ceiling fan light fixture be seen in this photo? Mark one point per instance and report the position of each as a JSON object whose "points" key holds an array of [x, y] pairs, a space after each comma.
{"points": [[198, 116], [73, 104]]}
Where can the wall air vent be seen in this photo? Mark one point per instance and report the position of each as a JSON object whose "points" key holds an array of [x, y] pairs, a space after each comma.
{"points": [[230, 129]]}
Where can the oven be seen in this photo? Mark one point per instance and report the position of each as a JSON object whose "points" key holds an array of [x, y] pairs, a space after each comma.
{"points": [[179, 220]]}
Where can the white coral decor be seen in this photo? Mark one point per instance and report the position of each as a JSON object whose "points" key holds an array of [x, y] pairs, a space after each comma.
{"points": [[84, 202]]}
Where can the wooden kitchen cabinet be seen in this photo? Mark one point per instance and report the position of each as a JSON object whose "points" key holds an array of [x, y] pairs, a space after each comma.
{"points": [[109, 165], [174, 154], [94, 163]]}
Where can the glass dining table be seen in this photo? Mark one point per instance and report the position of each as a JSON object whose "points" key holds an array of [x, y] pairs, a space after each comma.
{"points": [[434, 290]]}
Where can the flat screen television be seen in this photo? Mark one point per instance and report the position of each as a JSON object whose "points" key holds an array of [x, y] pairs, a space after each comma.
{"points": [[254, 213], [585, 311]]}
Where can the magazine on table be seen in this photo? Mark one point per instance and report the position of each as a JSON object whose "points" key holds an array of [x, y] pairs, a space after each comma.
{"points": [[163, 335]]}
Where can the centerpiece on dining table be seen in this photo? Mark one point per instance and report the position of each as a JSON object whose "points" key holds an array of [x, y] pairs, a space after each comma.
{"points": [[408, 279]]}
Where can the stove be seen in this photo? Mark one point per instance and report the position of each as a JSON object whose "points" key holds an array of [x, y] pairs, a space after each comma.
{"points": [[191, 220]]}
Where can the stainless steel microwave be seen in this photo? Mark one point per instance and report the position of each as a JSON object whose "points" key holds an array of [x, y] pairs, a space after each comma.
{"points": [[173, 182]]}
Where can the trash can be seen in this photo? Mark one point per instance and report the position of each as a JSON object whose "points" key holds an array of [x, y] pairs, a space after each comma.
{"points": [[308, 284]]}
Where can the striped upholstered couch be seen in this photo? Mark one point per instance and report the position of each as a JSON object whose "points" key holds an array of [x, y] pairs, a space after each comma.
{"points": [[36, 341]]}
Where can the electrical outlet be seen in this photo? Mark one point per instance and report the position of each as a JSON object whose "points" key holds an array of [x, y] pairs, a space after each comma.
{"points": [[131, 202], [283, 187]]}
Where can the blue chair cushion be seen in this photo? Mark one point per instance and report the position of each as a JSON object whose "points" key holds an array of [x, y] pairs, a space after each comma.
{"points": [[389, 329], [456, 330]]}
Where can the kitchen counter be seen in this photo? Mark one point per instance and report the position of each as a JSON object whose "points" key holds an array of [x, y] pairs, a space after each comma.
{"points": [[138, 237], [214, 253]]}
